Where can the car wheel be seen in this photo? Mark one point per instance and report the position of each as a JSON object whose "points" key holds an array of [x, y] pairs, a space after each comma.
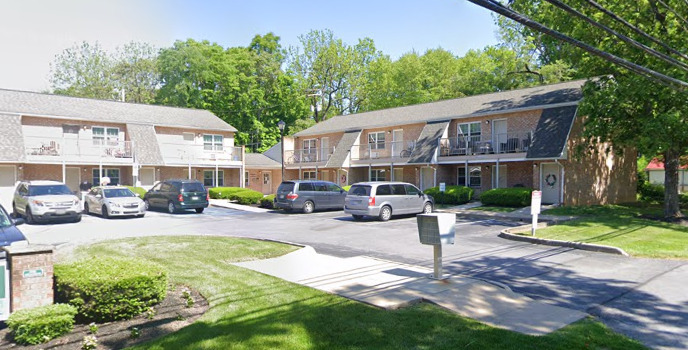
{"points": [[308, 207], [385, 213], [147, 204], [104, 212], [199, 210], [86, 210], [170, 208], [29, 217], [357, 217], [14, 211], [427, 208]]}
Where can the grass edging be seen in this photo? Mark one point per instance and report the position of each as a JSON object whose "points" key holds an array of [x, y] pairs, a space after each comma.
{"points": [[507, 234]]}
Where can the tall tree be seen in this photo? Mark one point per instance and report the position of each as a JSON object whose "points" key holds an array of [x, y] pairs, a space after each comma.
{"points": [[135, 72], [623, 107], [83, 71]]}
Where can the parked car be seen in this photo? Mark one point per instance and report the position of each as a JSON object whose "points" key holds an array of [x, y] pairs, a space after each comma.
{"points": [[44, 201], [176, 195], [384, 199], [309, 195], [9, 233], [113, 201]]}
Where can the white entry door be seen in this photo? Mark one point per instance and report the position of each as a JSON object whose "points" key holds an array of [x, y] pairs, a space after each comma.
{"points": [[147, 177], [498, 134], [550, 183], [73, 178], [427, 178], [397, 142], [501, 177], [267, 183], [324, 149]]}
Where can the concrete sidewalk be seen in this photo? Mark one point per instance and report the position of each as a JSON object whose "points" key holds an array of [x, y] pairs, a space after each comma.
{"points": [[393, 285], [223, 203], [472, 210]]}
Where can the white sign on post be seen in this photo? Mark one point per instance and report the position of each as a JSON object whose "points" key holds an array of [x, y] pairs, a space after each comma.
{"points": [[443, 186], [535, 203]]}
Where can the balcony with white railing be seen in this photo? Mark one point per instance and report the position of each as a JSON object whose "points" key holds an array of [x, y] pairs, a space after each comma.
{"points": [[476, 145], [310, 156], [384, 151], [200, 155], [75, 150]]}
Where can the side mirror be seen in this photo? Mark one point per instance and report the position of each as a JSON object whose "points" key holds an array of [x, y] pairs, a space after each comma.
{"points": [[18, 221], [420, 194], [99, 196]]}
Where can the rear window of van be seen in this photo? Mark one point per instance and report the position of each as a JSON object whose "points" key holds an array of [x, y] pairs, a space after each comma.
{"points": [[359, 190]]}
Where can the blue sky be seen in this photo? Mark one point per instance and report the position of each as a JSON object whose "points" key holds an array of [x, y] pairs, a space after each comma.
{"points": [[33, 32]]}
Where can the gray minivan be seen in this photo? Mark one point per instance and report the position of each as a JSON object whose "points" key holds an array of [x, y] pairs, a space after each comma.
{"points": [[384, 199], [309, 195]]}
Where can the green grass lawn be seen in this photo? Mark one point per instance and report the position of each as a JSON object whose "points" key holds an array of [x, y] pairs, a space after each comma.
{"points": [[495, 209], [622, 227], [249, 310]]}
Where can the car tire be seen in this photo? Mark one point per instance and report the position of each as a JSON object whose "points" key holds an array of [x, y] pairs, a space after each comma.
{"points": [[86, 209], [427, 208], [199, 210], [308, 207], [357, 217], [147, 204], [170, 208], [14, 211], [104, 212], [29, 217], [385, 213]]}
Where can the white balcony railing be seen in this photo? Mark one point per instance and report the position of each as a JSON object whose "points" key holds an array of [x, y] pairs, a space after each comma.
{"points": [[500, 143], [185, 153], [386, 150], [40, 148], [308, 155]]}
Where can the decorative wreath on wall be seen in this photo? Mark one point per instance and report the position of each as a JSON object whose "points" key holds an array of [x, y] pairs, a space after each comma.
{"points": [[551, 180]]}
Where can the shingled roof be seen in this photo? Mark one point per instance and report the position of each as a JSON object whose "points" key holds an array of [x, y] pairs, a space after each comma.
{"points": [[40, 104], [494, 103]]}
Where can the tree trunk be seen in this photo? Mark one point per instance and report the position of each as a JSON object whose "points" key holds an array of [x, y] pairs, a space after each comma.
{"points": [[671, 203]]}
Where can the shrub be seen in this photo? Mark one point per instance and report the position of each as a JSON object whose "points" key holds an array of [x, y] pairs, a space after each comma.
{"points": [[246, 197], [268, 201], [451, 195], [507, 197], [650, 192], [141, 192], [223, 192], [110, 289], [40, 324]]}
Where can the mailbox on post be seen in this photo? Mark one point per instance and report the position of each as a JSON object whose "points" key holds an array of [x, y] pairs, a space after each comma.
{"points": [[436, 229]]}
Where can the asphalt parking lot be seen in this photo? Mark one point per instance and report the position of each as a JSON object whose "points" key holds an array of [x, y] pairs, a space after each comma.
{"points": [[643, 298]]}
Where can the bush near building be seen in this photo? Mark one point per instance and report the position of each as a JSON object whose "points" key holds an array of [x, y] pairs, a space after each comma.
{"points": [[451, 195], [41, 324], [268, 201], [507, 197], [111, 289]]}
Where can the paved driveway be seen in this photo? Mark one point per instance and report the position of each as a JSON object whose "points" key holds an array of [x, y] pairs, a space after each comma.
{"points": [[643, 298]]}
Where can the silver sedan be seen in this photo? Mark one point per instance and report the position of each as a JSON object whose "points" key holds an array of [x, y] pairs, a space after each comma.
{"points": [[113, 201]]}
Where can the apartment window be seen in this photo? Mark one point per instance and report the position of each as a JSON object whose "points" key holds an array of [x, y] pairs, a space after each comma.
{"points": [[112, 173], [470, 131], [246, 182], [461, 176], [309, 175], [212, 142], [309, 145], [70, 129], [188, 136], [209, 178], [376, 140], [474, 176], [377, 175], [105, 136]]}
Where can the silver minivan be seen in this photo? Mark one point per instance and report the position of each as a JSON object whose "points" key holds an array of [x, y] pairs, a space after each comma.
{"points": [[309, 195], [384, 199]]}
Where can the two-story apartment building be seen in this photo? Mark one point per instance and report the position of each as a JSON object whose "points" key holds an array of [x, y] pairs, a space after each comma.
{"points": [[528, 137], [79, 140]]}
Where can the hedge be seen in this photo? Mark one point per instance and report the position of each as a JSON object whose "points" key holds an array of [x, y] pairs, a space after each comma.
{"points": [[110, 289], [451, 195], [268, 201], [242, 195], [139, 190], [507, 197], [40, 324], [223, 192], [649, 192]]}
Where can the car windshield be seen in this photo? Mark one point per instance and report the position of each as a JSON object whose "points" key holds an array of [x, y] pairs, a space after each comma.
{"points": [[47, 190], [117, 192], [4, 219], [192, 187], [359, 190]]}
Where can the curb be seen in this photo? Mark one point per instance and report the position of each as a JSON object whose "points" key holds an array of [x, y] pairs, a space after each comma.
{"points": [[506, 234]]}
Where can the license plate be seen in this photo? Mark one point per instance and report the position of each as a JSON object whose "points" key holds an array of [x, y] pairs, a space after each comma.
{"points": [[194, 198], [60, 212], [281, 196]]}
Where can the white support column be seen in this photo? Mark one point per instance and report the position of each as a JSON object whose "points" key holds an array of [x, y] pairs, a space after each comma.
{"points": [[370, 172], [391, 170], [64, 171], [217, 173], [468, 182], [497, 172], [316, 172]]}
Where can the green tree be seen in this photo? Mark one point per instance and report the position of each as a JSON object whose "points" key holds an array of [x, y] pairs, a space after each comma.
{"points": [[83, 70], [621, 106], [135, 72]]}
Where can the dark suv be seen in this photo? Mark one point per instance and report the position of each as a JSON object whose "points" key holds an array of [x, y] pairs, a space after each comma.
{"points": [[308, 195], [176, 195]]}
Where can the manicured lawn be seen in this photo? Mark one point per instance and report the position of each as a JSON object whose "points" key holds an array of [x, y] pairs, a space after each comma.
{"points": [[495, 209], [249, 310], [621, 226]]}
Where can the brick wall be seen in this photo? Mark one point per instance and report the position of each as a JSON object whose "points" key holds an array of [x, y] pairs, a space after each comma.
{"points": [[516, 123], [600, 177], [31, 290], [256, 180]]}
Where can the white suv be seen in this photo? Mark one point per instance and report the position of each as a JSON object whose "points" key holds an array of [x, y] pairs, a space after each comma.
{"points": [[44, 201]]}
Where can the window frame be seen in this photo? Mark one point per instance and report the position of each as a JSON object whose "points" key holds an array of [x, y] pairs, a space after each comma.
{"points": [[471, 133], [378, 172], [375, 141], [106, 173], [213, 144], [220, 180], [472, 177], [105, 138], [311, 173]]}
